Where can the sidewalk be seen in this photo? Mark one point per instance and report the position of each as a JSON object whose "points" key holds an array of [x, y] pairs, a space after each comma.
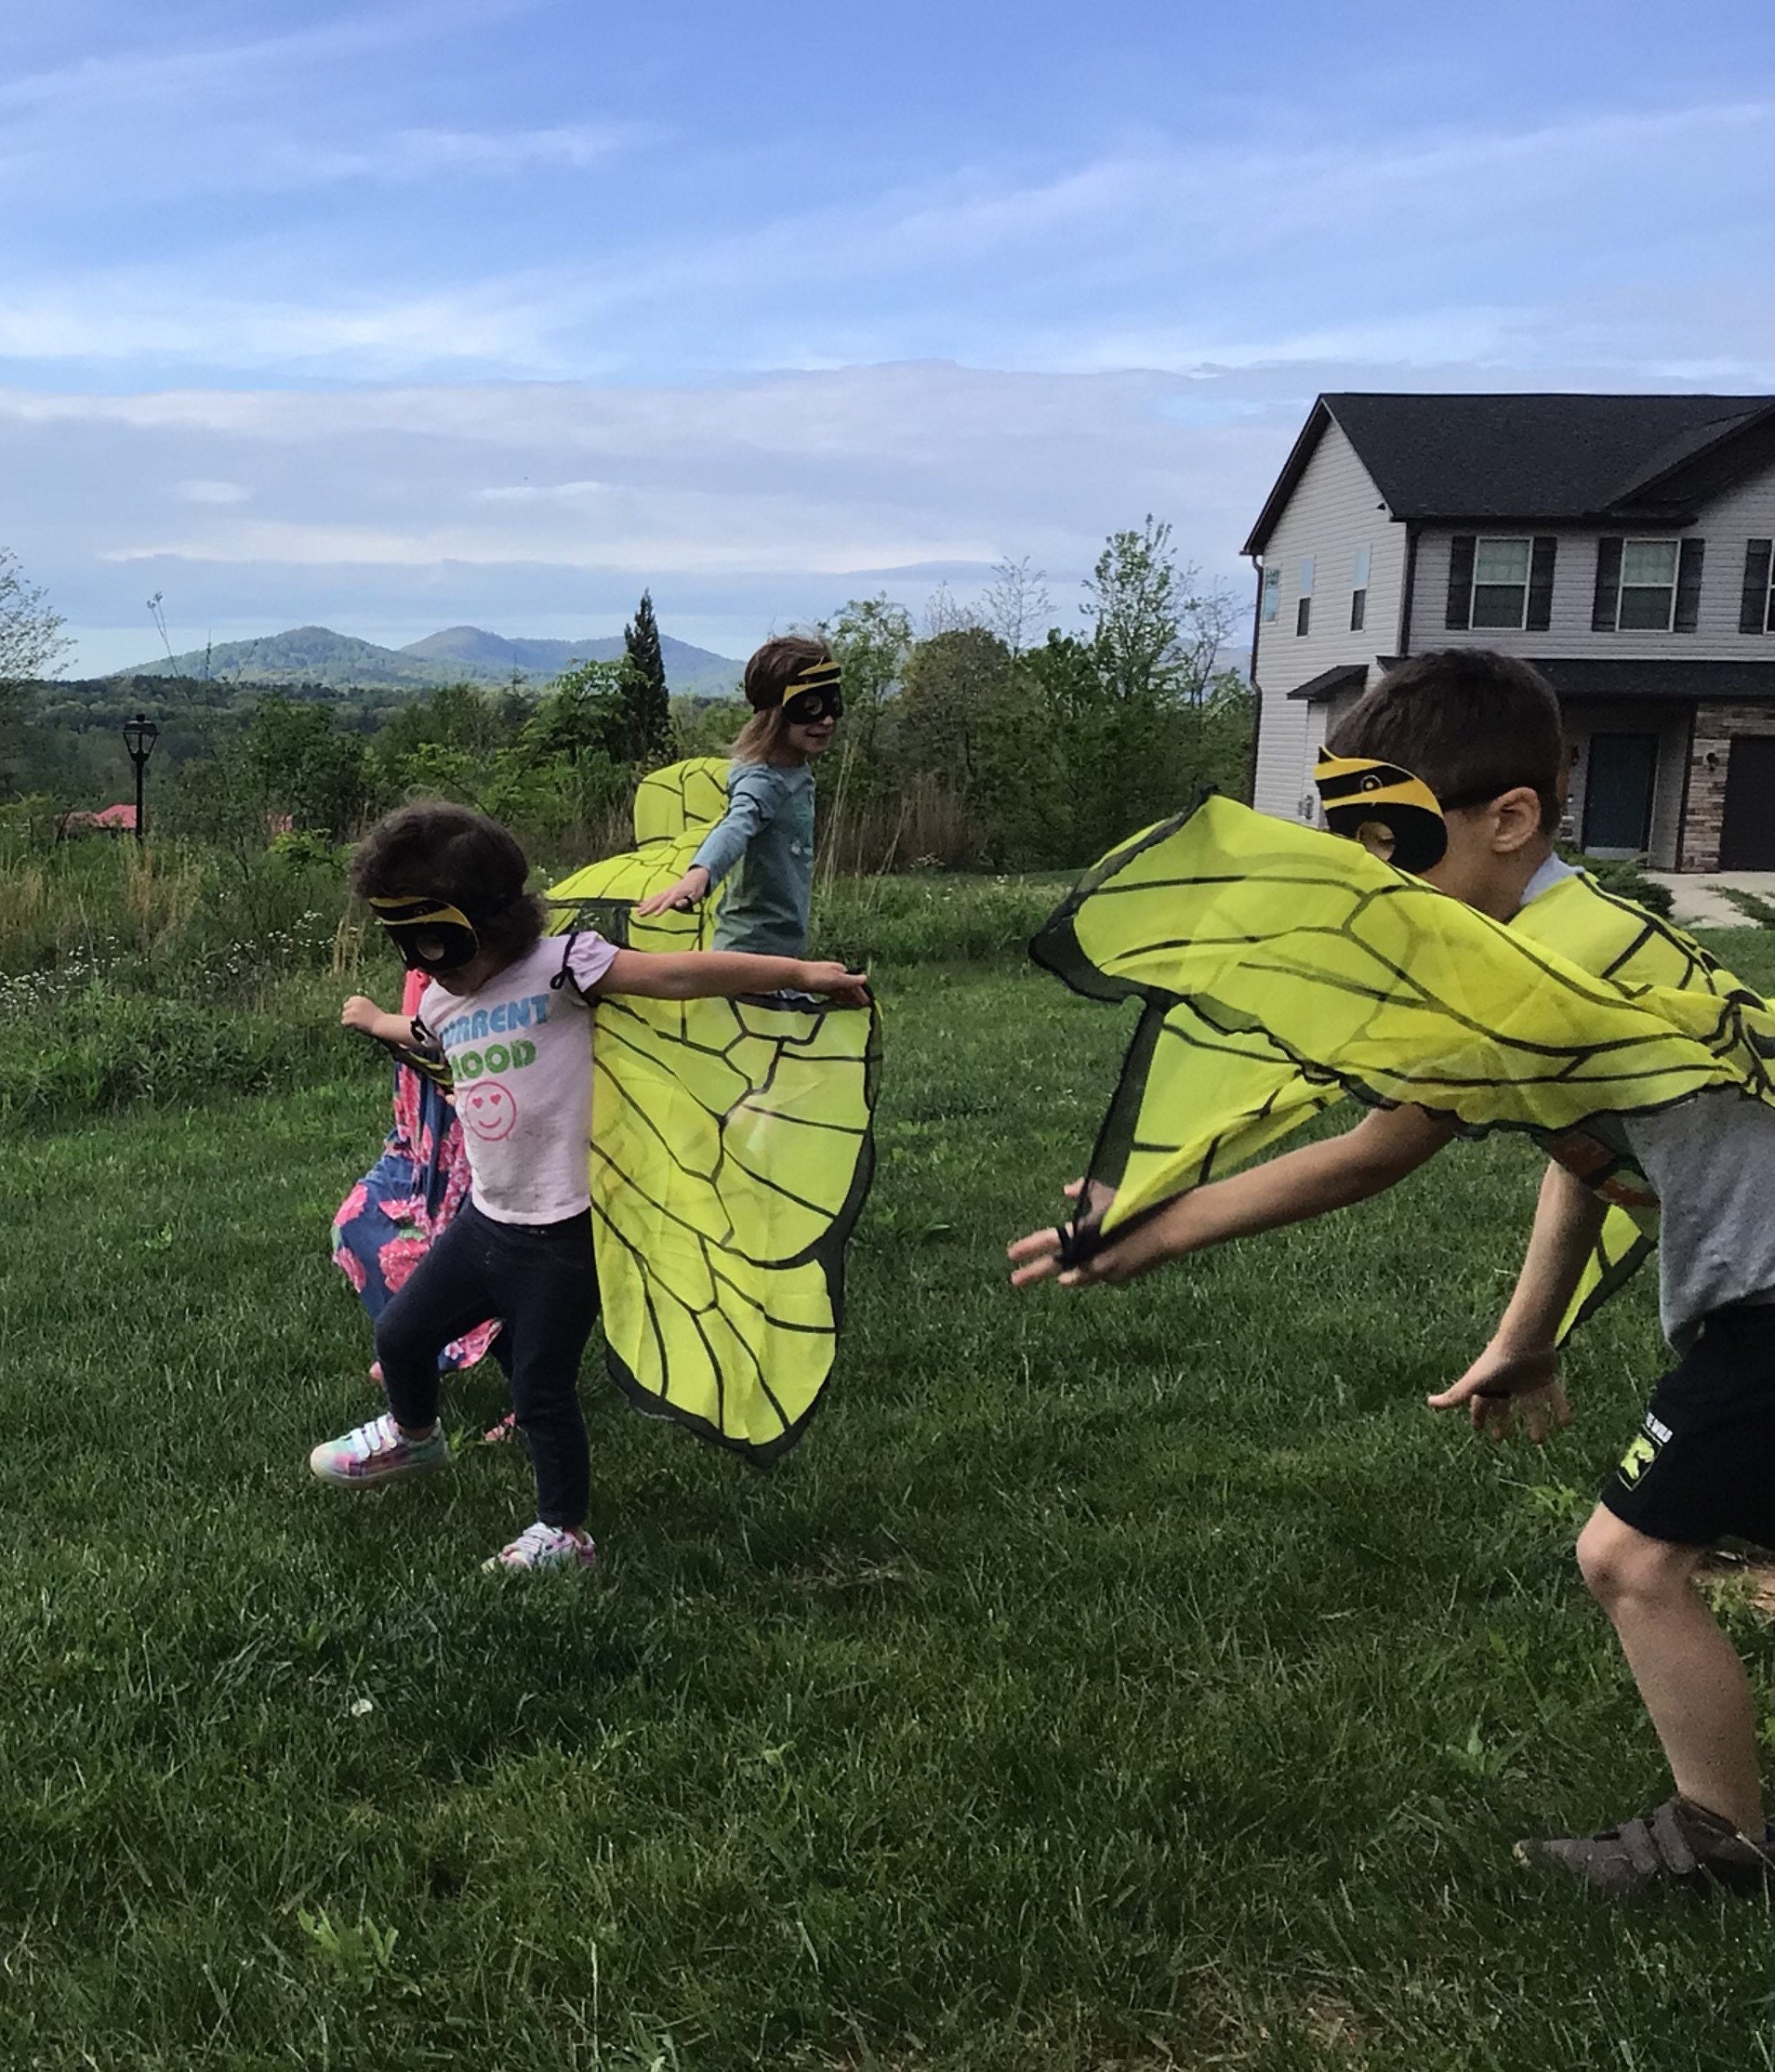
{"points": [[1701, 904]]}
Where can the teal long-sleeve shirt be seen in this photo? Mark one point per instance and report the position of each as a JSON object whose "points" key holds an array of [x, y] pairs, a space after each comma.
{"points": [[765, 839]]}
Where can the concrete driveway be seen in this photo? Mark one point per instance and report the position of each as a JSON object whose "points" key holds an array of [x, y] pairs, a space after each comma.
{"points": [[1701, 904]]}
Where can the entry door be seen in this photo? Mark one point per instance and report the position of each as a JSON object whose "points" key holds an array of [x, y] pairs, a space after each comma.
{"points": [[1618, 788], [1747, 832]]}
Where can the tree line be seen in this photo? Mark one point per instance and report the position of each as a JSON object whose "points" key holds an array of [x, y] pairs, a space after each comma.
{"points": [[984, 736]]}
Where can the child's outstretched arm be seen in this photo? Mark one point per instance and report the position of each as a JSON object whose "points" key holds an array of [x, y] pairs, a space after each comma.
{"points": [[1382, 1149], [749, 813], [719, 974], [1519, 1371], [362, 1013]]}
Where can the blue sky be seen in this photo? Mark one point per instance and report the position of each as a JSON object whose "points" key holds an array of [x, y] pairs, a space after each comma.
{"points": [[396, 316]]}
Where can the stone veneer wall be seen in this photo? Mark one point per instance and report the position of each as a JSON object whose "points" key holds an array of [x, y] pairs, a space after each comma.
{"points": [[1714, 726]]}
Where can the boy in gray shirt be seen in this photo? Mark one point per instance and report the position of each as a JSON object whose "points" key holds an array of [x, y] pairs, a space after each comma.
{"points": [[1484, 732]]}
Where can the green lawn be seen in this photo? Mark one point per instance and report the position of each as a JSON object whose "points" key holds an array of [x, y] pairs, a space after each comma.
{"points": [[1110, 1682]]}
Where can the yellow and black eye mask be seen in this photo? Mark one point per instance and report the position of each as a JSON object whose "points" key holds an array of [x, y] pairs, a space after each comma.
{"points": [[430, 934], [1391, 814], [813, 694]]}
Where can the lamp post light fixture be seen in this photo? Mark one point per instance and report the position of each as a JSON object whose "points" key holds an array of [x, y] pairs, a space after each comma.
{"points": [[140, 736]]}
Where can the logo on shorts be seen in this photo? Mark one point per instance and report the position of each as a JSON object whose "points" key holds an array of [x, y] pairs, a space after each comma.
{"points": [[1644, 1450]]}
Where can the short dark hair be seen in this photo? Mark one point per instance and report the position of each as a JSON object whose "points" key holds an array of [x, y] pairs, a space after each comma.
{"points": [[1469, 721], [451, 853]]}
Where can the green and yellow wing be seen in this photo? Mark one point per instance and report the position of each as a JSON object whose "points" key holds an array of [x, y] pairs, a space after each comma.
{"points": [[732, 1152], [675, 808], [1289, 947], [1196, 1101], [1620, 940]]}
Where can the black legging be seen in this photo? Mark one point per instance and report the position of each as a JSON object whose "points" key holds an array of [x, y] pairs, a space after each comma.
{"points": [[540, 1280]]}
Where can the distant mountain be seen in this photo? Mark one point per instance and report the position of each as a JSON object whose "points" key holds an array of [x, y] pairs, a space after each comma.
{"points": [[688, 669], [458, 654]]}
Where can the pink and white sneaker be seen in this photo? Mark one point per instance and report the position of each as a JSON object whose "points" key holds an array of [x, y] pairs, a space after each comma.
{"points": [[378, 1452], [541, 1546]]}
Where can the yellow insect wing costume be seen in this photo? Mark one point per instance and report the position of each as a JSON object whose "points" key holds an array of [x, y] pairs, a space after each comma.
{"points": [[731, 1156], [1262, 949], [1619, 940], [675, 808]]}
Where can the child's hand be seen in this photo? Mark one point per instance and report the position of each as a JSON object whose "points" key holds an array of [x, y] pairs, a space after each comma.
{"points": [[850, 989], [1036, 1257], [361, 1012], [1502, 1387], [689, 889]]}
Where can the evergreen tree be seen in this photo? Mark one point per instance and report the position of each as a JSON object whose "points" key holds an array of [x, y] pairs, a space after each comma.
{"points": [[649, 700]]}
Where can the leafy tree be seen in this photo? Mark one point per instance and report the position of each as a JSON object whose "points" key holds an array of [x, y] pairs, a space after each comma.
{"points": [[947, 687], [589, 709], [1017, 605], [300, 765], [870, 638], [1158, 633], [648, 697], [30, 643]]}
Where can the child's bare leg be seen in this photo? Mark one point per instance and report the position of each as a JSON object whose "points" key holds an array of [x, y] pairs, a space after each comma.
{"points": [[1688, 1674]]}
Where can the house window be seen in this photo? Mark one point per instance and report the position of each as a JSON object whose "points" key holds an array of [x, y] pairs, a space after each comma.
{"points": [[1647, 586], [1359, 588], [1272, 594], [1500, 582], [1304, 610], [1756, 610]]}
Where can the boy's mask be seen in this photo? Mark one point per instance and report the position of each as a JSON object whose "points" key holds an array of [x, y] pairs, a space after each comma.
{"points": [[430, 934], [1391, 814], [813, 694]]}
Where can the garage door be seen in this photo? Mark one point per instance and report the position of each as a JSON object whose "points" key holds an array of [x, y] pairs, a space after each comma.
{"points": [[1747, 833]]}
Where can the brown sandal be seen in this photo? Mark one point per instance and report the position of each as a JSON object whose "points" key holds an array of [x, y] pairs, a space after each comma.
{"points": [[1680, 1843]]}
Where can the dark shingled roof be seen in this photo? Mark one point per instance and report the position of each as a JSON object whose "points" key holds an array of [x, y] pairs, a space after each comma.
{"points": [[1573, 458], [1348, 676], [1605, 677]]}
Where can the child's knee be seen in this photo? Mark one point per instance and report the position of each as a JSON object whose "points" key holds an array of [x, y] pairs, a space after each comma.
{"points": [[1624, 1565]]}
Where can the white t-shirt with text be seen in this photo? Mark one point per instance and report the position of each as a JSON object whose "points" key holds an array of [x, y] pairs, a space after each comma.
{"points": [[520, 1052]]}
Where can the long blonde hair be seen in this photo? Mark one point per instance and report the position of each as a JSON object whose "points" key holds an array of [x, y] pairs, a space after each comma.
{"points": [[768, 676]]}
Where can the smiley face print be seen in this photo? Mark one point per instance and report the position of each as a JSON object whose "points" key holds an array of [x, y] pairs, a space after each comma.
{"points": [[488, 1108]]}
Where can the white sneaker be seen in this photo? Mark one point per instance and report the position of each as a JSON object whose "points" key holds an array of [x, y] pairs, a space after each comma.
{"points": [[541, 1546], [378, 1451]]}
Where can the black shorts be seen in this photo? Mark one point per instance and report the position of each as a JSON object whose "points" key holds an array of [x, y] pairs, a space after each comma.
{"points": [[1703, 1463]]}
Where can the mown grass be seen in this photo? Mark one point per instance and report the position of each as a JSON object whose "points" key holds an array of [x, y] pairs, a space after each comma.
{"points": [[1110, 1683]]}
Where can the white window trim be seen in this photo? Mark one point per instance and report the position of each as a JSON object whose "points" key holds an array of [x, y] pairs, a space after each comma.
{"points": [[1621, 588], [1271, 604], [1500, 539]]}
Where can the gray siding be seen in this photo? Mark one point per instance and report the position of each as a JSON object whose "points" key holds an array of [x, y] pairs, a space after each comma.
{"points": [[1744, 512], [1335, 512]]}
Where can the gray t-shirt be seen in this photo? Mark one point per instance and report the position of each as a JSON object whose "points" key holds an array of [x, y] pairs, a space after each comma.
{"points": [[1712, 1161], [766, 838]]}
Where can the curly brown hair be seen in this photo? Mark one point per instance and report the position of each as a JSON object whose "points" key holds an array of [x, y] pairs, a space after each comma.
{"points": [[437, 851]]}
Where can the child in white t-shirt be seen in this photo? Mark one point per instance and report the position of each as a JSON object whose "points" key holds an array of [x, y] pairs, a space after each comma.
{"points": [[507, 1009]]}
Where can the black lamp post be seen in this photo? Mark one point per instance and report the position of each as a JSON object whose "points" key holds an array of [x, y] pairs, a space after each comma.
{"points": [[140, 736]]}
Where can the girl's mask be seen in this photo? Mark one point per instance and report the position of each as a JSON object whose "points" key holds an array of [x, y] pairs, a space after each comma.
{"points": [[1391, 814], [813, 694], [430, 934]]}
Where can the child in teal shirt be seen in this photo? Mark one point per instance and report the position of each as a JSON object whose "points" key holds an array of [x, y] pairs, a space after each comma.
{"points": [[765, 839]]}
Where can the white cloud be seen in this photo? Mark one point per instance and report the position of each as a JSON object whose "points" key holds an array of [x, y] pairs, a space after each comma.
{"points": [[201, 492]]}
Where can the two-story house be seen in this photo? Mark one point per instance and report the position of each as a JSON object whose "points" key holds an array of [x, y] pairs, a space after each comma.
{"points": [[1622, 544]]}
